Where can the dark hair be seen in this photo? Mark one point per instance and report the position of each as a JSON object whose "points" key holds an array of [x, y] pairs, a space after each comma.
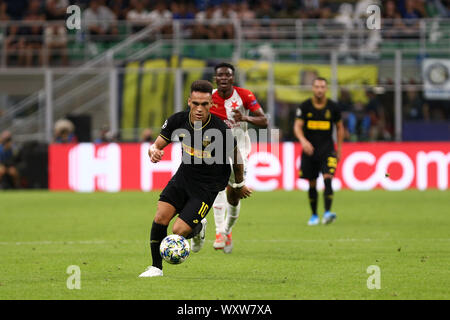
{"points": [[224, 65], [320, 79], [202, 86]]}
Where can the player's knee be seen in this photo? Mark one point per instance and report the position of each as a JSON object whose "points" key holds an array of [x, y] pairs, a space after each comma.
{"points": [[164, 213], [181, 229], [312, 184], [161, 218]]}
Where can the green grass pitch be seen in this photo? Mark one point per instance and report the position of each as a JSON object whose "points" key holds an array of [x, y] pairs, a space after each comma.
{"points": [[276, 255]]}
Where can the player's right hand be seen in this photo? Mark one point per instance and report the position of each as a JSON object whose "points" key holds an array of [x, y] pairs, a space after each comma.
{"points": [[308, 148], [155, 154]]}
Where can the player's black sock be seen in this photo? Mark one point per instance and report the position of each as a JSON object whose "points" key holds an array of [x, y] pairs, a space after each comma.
{"points": [[328, 194], [195, 231], [312, 194], [157, 234]]}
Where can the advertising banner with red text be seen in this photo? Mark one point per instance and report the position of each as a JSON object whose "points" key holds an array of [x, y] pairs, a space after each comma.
{"points": [[88, 167]]}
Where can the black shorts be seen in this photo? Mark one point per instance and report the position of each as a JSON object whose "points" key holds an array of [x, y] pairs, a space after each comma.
{"points": [[191, 207], [311, 166]]}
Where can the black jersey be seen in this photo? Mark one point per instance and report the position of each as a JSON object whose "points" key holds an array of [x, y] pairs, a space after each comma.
{"points": [[205, 151], [318, 124]]}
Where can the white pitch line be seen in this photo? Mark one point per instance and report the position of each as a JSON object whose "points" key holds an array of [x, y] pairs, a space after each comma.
{"points": [[91, 242]]}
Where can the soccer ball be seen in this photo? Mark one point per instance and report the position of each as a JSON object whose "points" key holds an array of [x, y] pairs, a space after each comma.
{"points": [[174, 249]]}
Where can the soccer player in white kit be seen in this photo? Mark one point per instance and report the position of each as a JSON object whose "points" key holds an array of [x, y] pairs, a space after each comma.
{"points": [[233, 105]]}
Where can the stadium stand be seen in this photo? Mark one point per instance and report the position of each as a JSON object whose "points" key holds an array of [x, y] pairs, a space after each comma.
{"points": [[130, 63]]}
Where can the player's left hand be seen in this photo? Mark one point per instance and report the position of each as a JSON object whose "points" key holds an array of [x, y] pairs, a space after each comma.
{"points": [[244, 192], [238, 116]]}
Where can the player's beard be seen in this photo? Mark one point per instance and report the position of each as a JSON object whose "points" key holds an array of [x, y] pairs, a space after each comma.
{"points": [[319, 99], [225, 87]]}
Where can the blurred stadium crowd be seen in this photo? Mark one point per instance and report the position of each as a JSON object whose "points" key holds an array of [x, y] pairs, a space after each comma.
{"points": [[145, 11], [102, 17]]}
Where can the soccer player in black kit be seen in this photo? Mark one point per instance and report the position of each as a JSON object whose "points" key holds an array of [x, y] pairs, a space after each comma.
{"points": [[315, 119], [207, 144]]}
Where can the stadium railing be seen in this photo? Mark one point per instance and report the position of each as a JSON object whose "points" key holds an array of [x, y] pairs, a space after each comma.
{"points": [[73, 82], [285, 36]]}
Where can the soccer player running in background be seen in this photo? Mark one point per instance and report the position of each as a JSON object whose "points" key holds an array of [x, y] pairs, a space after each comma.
{"points": [[233, 105], [313, 127], [207, 144]]}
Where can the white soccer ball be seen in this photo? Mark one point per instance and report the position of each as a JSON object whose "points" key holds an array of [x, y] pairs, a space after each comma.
{"points": [[174, 249]]}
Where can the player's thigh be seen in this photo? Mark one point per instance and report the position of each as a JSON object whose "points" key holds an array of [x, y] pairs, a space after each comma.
{"points": [[329, 165], [175, 194], [181, 228], [197, 208], [171, 200], [309, 168]]}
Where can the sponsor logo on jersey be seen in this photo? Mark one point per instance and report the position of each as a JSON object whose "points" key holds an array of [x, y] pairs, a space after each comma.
{"points": [[201, 154], [318, 125], [206, 141]]}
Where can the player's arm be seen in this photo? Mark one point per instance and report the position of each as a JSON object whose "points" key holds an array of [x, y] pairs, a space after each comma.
{"points": [[156, 150], [164, 138], [258, 118], [298, 131], [238, 167], [340, 132]]}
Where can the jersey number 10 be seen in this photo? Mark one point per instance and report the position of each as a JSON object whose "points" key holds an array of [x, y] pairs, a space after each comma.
{"points": [[203, 210]]}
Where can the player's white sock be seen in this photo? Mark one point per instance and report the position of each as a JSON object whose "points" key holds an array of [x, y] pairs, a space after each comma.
{"points": [[220, 208], [232, 216]]}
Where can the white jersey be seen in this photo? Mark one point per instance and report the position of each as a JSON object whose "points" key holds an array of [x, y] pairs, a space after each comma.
{"points": [[244, 101]]}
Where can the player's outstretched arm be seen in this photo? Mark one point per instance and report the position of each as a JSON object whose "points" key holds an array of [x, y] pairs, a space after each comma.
{"points": [[156, 149]]}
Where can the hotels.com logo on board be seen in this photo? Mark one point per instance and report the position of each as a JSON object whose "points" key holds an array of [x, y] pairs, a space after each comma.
{"points": [[113, 167]]}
